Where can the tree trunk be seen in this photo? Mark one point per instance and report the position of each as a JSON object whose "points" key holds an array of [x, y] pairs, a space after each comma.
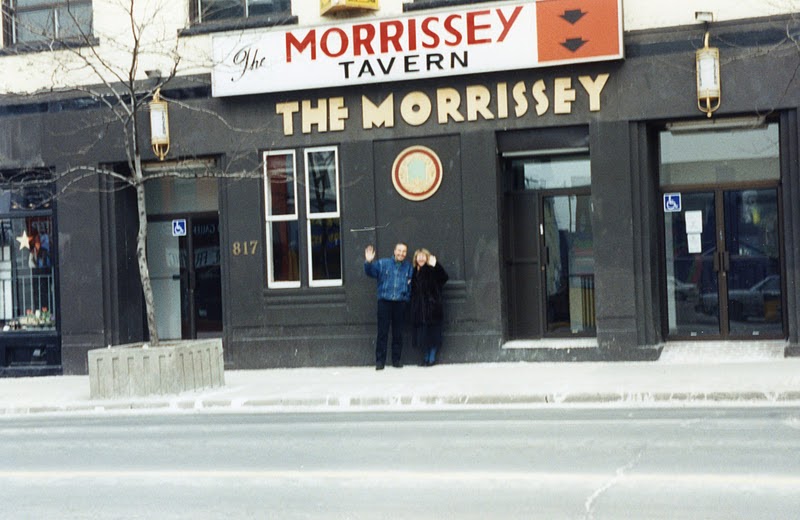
{"points": [[141, 255]]}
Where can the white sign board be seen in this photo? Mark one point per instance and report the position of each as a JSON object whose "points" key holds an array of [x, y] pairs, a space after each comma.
{"points": [[435, 44], [694, 221]]}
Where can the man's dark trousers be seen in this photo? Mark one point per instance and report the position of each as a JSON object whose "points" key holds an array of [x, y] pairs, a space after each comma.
{"points": [[390, 313]]}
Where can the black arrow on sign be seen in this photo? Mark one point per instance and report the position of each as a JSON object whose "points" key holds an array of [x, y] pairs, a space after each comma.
{"points": [[573, 15], [573, 44]]}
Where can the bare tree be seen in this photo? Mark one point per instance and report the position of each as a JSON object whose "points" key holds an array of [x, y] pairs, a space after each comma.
{"points": [[110, 70]]}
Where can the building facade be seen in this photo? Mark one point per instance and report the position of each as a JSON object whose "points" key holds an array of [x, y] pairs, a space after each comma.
{"points": [[582, 204]]}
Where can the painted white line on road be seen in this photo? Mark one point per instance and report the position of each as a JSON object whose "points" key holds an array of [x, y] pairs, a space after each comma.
{"points": [[704, 480]]}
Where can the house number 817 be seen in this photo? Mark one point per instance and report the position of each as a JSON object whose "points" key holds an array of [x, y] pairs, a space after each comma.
{"points": [[246, 247]]}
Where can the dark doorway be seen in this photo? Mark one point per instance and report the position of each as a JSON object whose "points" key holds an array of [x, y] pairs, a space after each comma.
{"points": [[720, 189], [548, 246]]}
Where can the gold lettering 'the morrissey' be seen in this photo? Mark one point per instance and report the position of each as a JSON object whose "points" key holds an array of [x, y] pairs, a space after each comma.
{"points": [[502, 100], [338, 113], [415, 108], [315, 116], [447, 102], [539, 93], [478, 99], [564, 95], [594, 87], [287, 110], [373, 116], [452, 105]]}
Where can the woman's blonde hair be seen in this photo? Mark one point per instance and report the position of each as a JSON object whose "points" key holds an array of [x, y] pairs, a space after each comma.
{"points": [[424, 252]]}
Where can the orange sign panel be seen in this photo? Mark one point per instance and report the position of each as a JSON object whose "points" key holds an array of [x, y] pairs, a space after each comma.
{"points": [[577, 29]]}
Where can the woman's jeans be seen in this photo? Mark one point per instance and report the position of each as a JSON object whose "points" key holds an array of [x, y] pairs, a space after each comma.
{"points": [[429, 339]]}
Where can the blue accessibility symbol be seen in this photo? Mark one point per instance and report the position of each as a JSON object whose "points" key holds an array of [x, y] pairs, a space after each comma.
{"points": [[179, 227], [672, 202]]}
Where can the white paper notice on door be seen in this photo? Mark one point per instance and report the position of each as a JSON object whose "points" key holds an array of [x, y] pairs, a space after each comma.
{"points": [[694, 243], [694, 221]]}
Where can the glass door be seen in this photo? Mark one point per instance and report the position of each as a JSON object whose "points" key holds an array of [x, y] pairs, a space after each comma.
{"points": [[548, 250], [206, 277], [166, 260], [568, 264], [724, 265], [186, 277]]}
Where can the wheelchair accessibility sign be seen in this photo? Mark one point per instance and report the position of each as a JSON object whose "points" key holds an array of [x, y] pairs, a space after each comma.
{"points": [[672, 202], [179, 227]]}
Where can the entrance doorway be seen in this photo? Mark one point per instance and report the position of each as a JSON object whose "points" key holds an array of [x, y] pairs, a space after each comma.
{"points": [[548, 246], [723, 256], [183, 250], [724, 264], [185, 274]]}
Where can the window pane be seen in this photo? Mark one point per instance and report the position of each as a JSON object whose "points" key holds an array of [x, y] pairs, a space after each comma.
{"points": [[35, 26], [285, 260], [27, 292], [326, 249], [281, 185], [712, 157], [322, 182], [546, 173], [75, 20], [221, 9], [262, 7]]}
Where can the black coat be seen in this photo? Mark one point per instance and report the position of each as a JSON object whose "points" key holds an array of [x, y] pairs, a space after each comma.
{"points": [[426, 294]]}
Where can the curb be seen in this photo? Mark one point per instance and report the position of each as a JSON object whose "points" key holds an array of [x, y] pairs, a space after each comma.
{"points": [[408, 402]]}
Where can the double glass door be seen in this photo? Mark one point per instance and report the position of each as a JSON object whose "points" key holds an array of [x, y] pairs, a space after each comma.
{"points": [[185, 275], [723, 264]]}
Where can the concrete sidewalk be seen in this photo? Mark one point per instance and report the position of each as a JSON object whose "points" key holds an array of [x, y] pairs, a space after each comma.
{"points": [[460, 385]]}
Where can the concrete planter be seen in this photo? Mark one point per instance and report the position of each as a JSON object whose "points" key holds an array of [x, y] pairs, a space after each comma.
{"points": [[170, 368]]}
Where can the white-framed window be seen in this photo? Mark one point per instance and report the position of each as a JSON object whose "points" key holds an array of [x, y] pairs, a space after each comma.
{"points": [[31, 21], [283, 229], [323, 217], [316, 231]]}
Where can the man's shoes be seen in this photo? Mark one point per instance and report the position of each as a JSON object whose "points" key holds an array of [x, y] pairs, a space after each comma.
{"points": [[397, 364], [379, 366]]}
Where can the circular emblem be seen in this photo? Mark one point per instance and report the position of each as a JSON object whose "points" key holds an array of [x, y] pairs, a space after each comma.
{"points": [[417, 173]]}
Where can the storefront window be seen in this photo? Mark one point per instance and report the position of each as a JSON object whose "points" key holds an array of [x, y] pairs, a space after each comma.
{"points": [[27, 290], [283, 241], [27, 252], [322, 200], [322, 219]]}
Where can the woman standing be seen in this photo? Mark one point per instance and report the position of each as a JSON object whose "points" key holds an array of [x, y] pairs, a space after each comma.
{"points": [[427, 311]]}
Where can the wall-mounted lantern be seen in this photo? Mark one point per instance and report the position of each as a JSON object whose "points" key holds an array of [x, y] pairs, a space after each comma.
{"points": [[709, 88], [159, 125]]}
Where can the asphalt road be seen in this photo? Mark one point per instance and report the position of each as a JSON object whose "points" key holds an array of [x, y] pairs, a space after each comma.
{"points": [[506, 464]]}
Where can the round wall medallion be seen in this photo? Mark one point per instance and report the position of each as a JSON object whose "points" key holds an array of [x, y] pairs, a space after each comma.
{"points": [[417, 173]]}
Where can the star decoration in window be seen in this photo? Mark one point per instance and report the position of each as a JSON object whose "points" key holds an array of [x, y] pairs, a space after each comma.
{"points": [[24, 240]]}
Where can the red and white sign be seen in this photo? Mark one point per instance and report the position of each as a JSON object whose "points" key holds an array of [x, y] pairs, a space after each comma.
{"points": [[488, 38]]}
